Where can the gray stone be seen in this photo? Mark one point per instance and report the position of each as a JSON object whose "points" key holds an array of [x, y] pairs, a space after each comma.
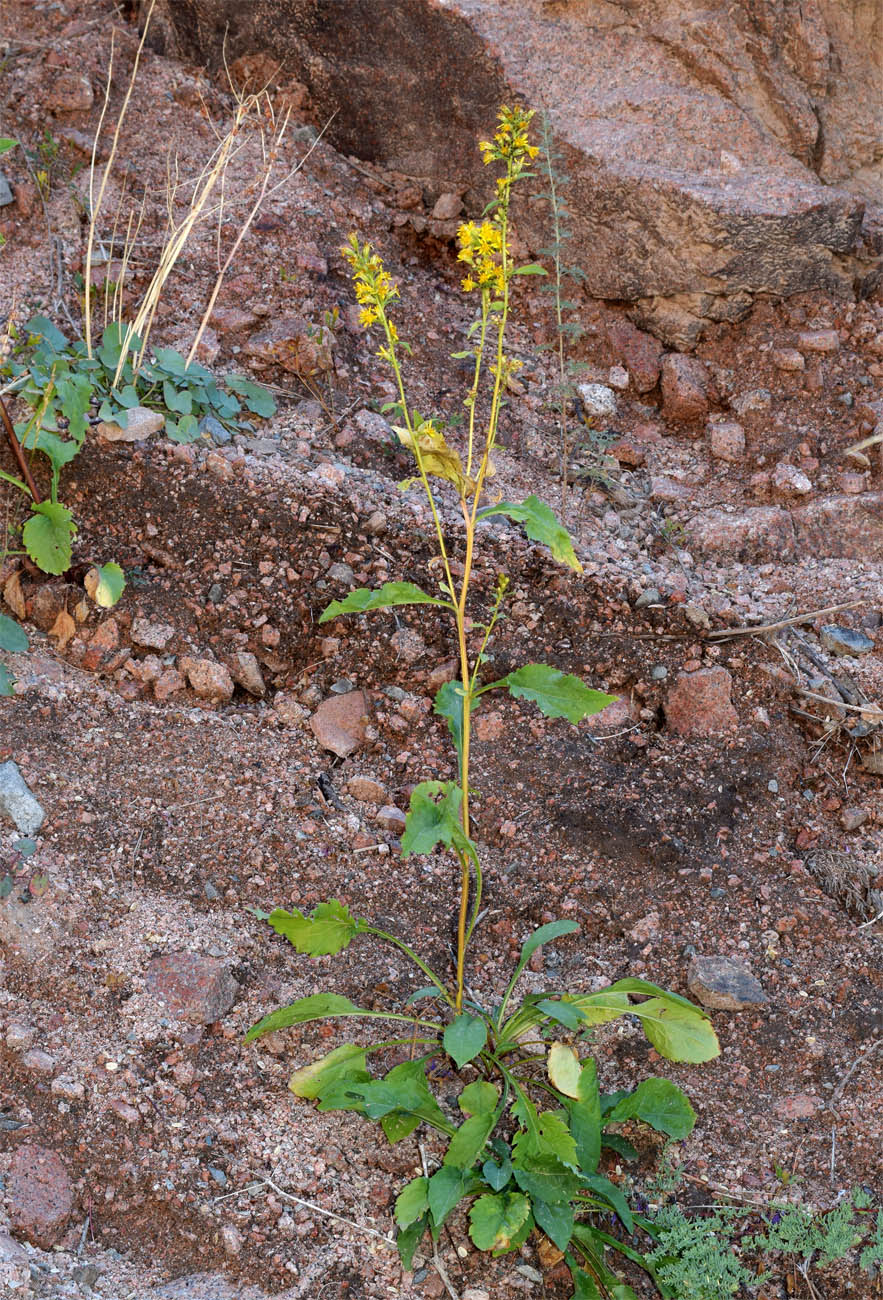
{"points": [[150, 635], [723, 984], [215, 430], [246, 672], [649, 596], [15, 1273], [140, 423], [16, 801], [845, 640], [342, 573], [599, 400], [6, 194]]}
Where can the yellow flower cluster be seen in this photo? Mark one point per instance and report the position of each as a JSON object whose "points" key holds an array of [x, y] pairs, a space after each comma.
{"points": [[374, 285], [510, 143], [481, 248]]}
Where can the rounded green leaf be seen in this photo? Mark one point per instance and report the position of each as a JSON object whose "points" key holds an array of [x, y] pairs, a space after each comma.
{"points": [[478, 1098], [345, 1064], [328, 929], [12, 637], [464, 1038], [495, 1220], [110, 586], [48, 536], [563, 1068], [678, 1033]]}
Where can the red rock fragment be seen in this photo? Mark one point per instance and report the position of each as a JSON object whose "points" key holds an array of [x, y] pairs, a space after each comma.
{"points": [[195, 988], [338, 723], [685, 388], [699, 703], [40, 1195]]}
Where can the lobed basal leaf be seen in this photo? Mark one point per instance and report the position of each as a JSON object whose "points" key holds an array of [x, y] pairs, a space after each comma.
{"points": [[328, 929]]}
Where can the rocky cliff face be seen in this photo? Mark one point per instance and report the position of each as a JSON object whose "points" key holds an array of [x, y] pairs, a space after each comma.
{"points": [[717, 150]]}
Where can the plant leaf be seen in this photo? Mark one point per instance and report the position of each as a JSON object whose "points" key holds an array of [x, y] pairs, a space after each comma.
{"points": [[432, 820], [541, 1136], [585, 1118], [556, 1221], [602, 1186], [478, 1098], [598, 1008], [409, 1239], [412, 1202], [385, 597], [678, 1033], [176, 398], [544, 1178], [495, 1220], [105, 585], [541, 525], [403, 1090], [659, 1103], [564, 1070], [43, 328], [556, 694], [258, 399], [328, 929], [586, 1288], [345, 1064], [545, 934], [184, 430], [48, 536], [317, 1006], [464, 1038], [12, 637], [7, 683], [497, 1175], [532, 268], [468, 1142], [447, 1187], [449, 702]]}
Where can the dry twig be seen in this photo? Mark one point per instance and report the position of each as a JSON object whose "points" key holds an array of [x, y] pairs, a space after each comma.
{"points": [[723, 633]]}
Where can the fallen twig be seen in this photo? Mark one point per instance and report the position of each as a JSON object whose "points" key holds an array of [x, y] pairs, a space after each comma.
{"points": [[838, 1091], [308, 1205], [810, 614]]}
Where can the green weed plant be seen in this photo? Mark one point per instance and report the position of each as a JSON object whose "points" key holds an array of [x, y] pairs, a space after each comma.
{"points": [[524, 1144], [65, 388]]}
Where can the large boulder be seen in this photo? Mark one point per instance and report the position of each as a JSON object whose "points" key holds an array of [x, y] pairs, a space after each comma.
{"points": [[717, 148]]}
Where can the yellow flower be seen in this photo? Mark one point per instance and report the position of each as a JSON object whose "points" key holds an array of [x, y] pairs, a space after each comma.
{"points": [[367, 317], [469, 284]]}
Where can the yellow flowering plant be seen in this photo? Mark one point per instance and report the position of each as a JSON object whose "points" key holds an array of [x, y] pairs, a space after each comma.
{"points": [[522, 1168]]}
